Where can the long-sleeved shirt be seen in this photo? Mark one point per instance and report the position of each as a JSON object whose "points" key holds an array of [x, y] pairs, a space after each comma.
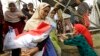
{"points": [[13, 17], [82, 45]]}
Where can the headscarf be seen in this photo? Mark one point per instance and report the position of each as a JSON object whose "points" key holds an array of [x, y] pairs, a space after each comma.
{"points": [[81, 29], [38, 9]]}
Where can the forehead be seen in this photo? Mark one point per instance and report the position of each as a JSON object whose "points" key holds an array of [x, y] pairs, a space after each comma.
{"points": [[46, 8], [30, 4], [11, 4]]}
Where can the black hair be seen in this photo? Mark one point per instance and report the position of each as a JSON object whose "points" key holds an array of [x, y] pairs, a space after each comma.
{"points": [[30, 4], [11, 3], [25, 5]]}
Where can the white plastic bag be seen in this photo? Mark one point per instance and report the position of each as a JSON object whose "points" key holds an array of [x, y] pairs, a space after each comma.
{"points": [[9, 40]]}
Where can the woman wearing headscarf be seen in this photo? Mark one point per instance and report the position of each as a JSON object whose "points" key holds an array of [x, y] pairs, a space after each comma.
{"points": [[81, 29], [81, 38], [80, 42], [83, 10], [85, 32], [32, 24], [53, 33], [15, 19]]}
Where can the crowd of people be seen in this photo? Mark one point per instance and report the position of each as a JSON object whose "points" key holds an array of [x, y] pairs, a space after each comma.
{"points": [[47, 29]]}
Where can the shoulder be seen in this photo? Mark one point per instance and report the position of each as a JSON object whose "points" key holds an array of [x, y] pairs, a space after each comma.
{"points": [[7, 11], [18, 11]]}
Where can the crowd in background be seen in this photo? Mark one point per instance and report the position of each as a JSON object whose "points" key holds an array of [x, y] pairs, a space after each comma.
{"points": [[29, 18]]}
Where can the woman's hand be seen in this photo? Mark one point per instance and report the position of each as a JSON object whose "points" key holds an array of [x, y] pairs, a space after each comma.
{"points": [[30, 52], [75, 32], [25, 53], [62, 37]]}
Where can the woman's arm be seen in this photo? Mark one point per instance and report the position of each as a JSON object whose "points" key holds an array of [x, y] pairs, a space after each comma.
{"points": [[30, 52], [9, 16], [33, 51], [39, 47]]}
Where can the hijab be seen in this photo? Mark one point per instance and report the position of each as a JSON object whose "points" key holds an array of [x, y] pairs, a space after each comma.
{"points": [[81, 29], [38, 9]]}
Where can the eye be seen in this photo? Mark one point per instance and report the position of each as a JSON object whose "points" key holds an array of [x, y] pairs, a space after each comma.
{"points": [[46, 11]]}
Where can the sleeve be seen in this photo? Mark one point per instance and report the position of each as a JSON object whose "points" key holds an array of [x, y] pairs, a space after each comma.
{"points": [[7, 16], [70, 41]]}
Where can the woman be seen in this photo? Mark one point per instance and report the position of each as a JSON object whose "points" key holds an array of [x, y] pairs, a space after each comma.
{"points": [[85, 32], [80, 38], [15, 19], [81, 29], [81, 43], [53, 34], [38, 17], [31, 10], [25, 10]]}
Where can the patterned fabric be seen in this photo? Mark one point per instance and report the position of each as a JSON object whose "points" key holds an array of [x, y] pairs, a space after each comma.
{"points": [[82, 45], [59, 26]]}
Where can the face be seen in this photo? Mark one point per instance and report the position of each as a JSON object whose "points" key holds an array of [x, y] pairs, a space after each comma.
{"points": [[67, 21], [12, 7], [44, 12], [52, 14], [30, 7]]}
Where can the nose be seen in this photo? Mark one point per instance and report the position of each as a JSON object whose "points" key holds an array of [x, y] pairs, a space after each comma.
{"points": [[46, 13]]}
